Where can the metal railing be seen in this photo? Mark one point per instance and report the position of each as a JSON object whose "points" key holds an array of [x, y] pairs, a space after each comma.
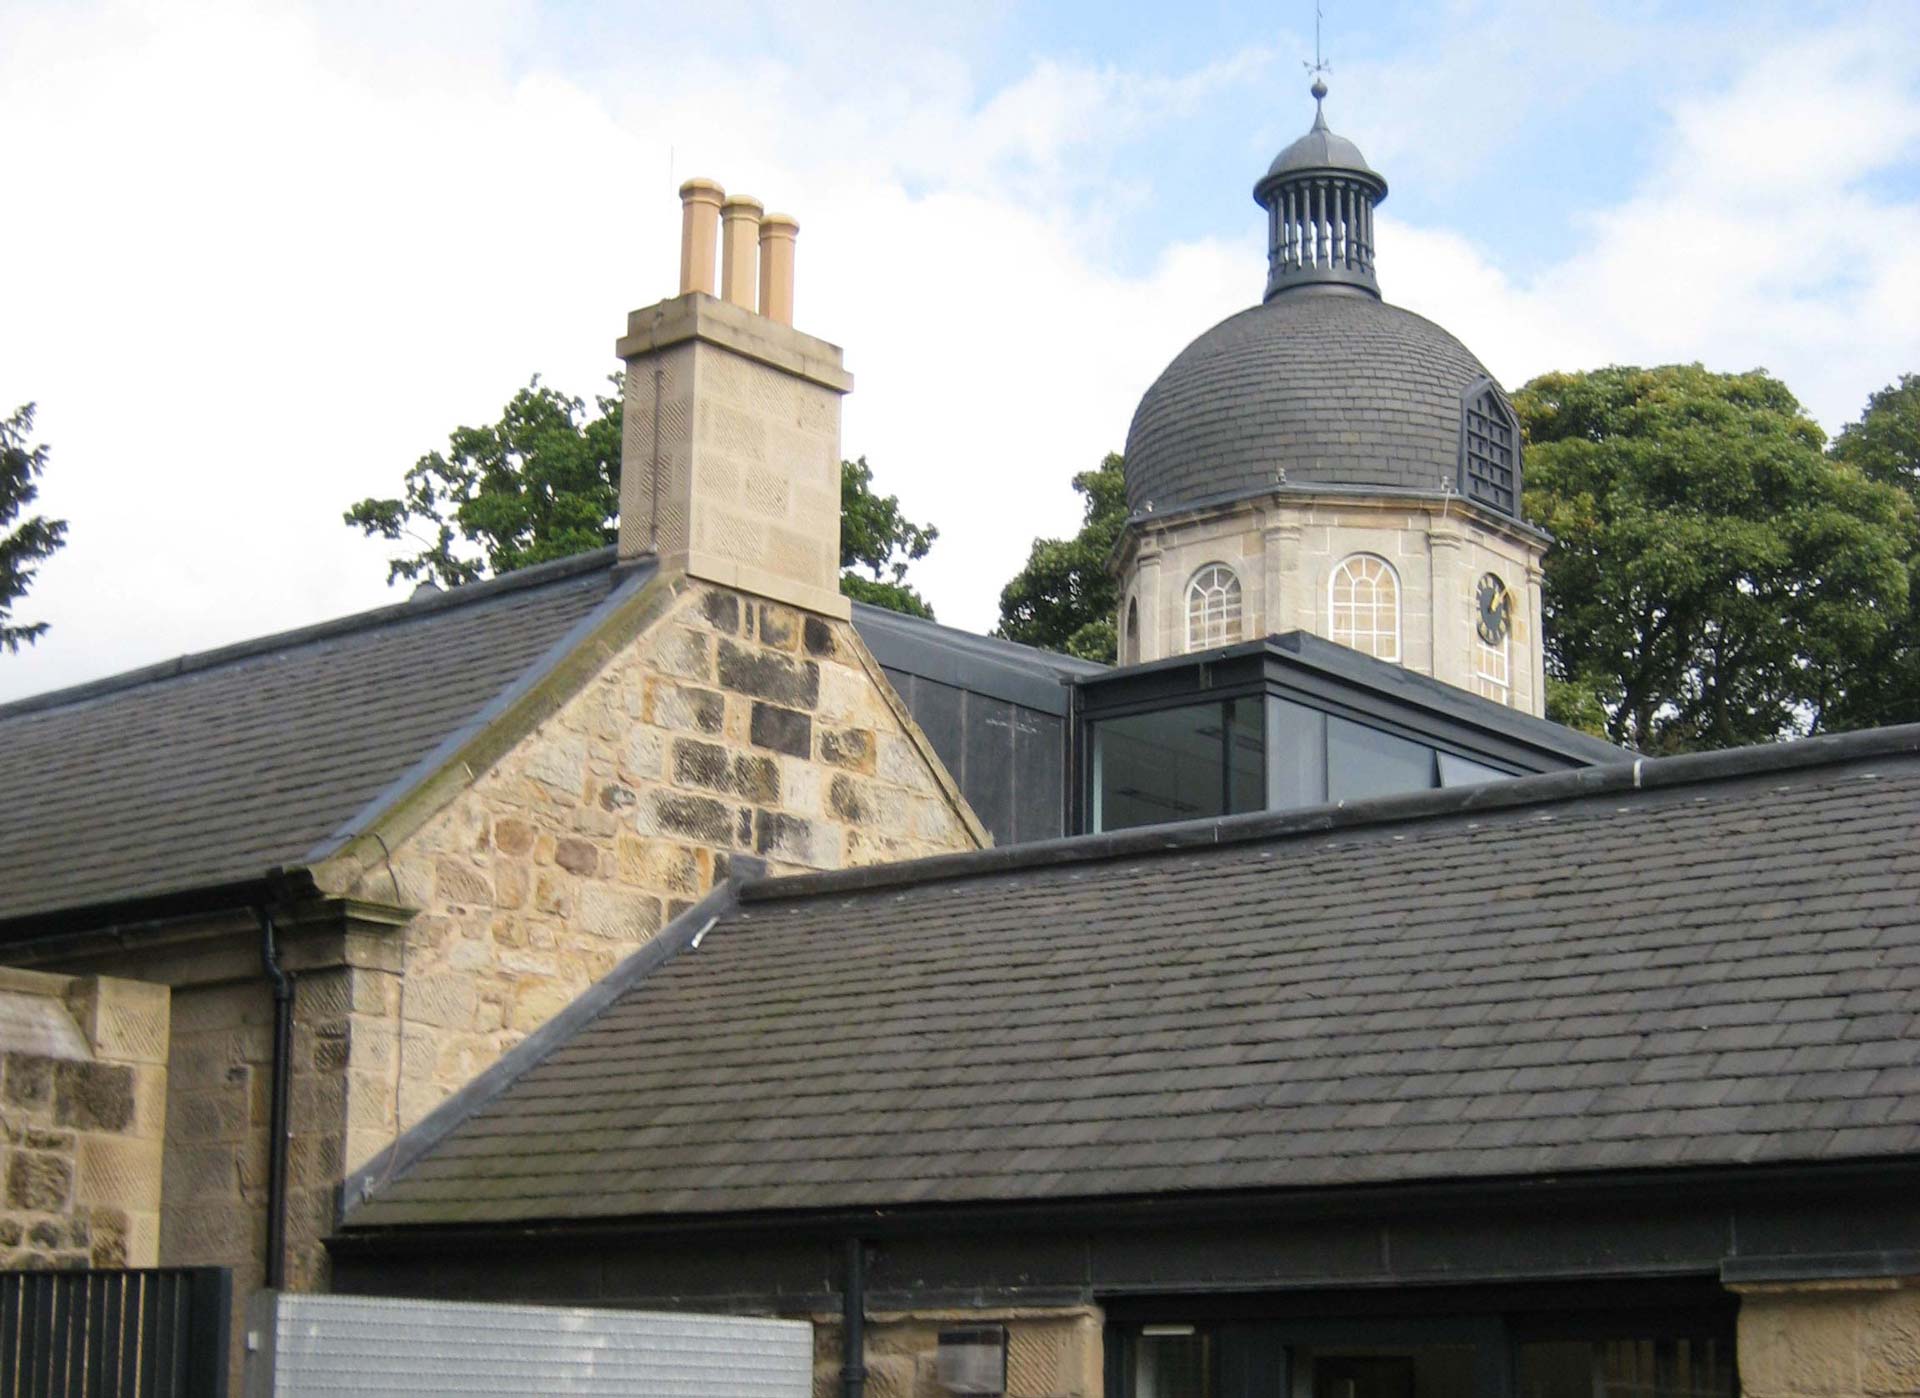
{"points": [[138, 1333]]}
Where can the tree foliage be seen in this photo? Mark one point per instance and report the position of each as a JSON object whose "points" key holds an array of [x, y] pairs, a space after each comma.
{"points": [[541, 483], [875, 535], [1065, 598], [1884, 446], [544, 483], [1717, 578], [33, 540]]}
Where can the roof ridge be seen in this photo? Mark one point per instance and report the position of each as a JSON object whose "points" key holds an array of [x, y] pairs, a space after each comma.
{"points": [[1629, 774], [194, 662]]}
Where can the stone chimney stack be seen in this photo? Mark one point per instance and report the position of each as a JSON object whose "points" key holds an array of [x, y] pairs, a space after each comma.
{"points": [[730, 462]]}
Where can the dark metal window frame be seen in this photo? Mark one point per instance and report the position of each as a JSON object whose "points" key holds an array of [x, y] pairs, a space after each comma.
{"points": [[1252, 674], [1254, 1338], [1495, 485]]}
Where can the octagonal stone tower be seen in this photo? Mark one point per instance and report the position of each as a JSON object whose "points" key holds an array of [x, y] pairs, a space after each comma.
{"points": [[1327, 462]]}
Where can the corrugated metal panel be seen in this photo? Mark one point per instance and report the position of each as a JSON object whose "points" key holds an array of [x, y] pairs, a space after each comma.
{"points": [[375, 1347]]}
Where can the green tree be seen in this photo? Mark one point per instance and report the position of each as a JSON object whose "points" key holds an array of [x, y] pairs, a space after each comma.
{"points": [[30, 542], [1884, 446], [544, 483], [875, 535], [541, 483], [1717, 579], [1065, 598]]}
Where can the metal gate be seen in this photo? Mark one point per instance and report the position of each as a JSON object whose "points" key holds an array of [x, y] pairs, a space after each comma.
{"points": [[157, 1332]]}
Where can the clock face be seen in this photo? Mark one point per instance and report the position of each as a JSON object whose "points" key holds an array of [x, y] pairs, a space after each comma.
{"points": [[1493, 605]]}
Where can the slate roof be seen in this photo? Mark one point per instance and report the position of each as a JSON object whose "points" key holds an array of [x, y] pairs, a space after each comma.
{"points": [[1698, 961], [1333, 386], [212, 769]]}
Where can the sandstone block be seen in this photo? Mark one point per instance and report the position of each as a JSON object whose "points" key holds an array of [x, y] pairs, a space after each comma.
{"points": [[779, 626], [459, 883], [684, 708], [511, 836], [769, 675], [684, 653], [783, 730], [793, 838], [818, 640], [618, 915], [93, 1096], [125, 1021], [851, 748], [698, 819], [558, 762], [29, 1081], [721, 611], [576, 856], [39, 1183]]}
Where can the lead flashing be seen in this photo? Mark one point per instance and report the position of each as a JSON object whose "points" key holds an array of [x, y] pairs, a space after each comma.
{"points": [[1625, 777]]}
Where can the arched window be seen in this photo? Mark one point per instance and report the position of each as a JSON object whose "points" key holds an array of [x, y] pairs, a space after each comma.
{"points": [[1130, 634], [1363, 606], [1213, 607], [1489, 448], [1492, 669]]}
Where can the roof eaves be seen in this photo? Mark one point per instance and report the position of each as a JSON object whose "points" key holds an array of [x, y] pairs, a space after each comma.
{"points": [[1637, 774], [411, 610], [682, 933]]}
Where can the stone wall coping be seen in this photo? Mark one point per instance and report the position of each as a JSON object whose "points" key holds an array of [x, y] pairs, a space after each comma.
{"points": [[366, 838], [1882, 1270], [698, 316], [48, 983]]}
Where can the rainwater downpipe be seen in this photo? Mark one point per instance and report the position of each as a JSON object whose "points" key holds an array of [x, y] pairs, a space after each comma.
{"points": [[853, 1322], [282, 1087]]}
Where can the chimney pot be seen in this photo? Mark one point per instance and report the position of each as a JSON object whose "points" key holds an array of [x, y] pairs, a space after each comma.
{"points": [[777, 234], [740, 220], [700, 202]]}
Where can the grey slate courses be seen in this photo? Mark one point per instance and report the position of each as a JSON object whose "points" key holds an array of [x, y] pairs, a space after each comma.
{"points": [[1333, 387], [215, 768], [1704, 961]]}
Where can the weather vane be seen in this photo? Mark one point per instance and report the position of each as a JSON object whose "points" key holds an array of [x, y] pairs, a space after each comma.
{"points": [[1319, 64]]}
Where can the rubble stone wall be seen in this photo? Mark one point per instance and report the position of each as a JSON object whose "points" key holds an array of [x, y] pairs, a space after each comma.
{"points": [[83, 1099]]}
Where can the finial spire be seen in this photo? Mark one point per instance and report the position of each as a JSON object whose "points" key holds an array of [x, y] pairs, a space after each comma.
{"points": [[1319, 195]]}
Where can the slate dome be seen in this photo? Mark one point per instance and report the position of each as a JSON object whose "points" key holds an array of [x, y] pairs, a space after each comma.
{"points": [[1324, 383], [1330, 386]]}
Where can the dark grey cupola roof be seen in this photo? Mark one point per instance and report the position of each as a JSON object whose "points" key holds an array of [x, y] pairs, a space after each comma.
{"points": [[1324, 384]]}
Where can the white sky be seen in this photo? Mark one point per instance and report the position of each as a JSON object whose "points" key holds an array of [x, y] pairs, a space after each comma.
{"points": [[261, 256]]}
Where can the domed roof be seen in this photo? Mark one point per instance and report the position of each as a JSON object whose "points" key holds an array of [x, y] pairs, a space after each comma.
{"points": [[1328, 385], [1321, 149]]}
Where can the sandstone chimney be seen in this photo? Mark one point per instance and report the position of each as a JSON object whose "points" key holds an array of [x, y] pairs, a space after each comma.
{"points": [[730, 462], [739, 248], [777, 232], [699, 234]]}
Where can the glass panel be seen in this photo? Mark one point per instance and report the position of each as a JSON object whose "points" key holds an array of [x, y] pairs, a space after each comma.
{"points": [[1363, 762], [1461, 771], [1149, 768], [1297, 739], [1171, 1366], [1423, 1371], [1682, 1368], [1246, 756]]}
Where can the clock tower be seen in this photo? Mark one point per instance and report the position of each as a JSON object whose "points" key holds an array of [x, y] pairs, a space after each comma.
{"points": [[1328, 462]]}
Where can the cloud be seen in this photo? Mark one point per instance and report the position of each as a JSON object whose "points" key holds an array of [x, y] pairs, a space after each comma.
{"points": [[276, 251]]}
